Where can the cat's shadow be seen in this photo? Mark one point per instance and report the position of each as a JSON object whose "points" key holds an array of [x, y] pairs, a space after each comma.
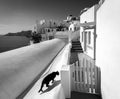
{"points": [[56, 83]]}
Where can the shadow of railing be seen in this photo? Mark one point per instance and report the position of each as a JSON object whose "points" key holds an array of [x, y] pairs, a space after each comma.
{"points": [[56, 83]]}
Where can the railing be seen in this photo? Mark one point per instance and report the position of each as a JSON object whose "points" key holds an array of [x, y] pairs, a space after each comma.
{"points": [[65, 72], [21, 68], [85, 76]]}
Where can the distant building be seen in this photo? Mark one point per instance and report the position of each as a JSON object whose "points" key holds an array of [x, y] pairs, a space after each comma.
{"points": [[40, 26], [71, 18], [73, 23], [74, 26], [47, 29]]}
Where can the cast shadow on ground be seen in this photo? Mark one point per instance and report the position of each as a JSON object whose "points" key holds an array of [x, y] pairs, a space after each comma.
{"points": [[56, 83]]}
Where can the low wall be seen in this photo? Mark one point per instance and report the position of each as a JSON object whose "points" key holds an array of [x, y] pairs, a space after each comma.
{"points": [[20, 67]]}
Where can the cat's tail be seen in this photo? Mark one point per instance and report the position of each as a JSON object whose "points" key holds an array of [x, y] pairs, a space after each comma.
{"points": [[41, 88]]}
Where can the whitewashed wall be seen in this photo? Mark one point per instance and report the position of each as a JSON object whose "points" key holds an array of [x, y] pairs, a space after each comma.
{"points": [[108, 48], [89, 17]]}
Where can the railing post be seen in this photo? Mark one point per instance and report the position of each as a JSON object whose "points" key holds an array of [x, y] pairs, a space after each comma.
{"points": [[66, 81]]}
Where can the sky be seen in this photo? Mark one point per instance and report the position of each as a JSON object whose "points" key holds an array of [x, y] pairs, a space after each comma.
{"points": [[18, 15]]}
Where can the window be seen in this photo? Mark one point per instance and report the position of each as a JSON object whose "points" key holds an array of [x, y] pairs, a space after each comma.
{"points": [[75, 29], [85, 41], [51, 37], [48, 30], [89, 37], [82, 36]]}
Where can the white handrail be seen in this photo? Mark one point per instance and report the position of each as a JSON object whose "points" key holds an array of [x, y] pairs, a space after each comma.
{"points": [[65, 73]]}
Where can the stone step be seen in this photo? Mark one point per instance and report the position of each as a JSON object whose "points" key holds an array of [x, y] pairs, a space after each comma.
{"points": [[80, 51], [75, 41], [76, 44], [76, 49]]}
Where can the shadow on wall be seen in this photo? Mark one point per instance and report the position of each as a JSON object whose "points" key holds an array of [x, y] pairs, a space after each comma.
{"points": [[56, 83]]}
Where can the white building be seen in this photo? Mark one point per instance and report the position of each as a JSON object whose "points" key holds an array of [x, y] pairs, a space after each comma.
{"points": [[100, 37], [47, 29], [74, 26], [88, 32], [40, 26]]}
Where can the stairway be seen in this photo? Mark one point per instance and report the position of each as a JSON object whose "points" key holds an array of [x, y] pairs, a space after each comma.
{"points": [[76, 47], [80, 95]]}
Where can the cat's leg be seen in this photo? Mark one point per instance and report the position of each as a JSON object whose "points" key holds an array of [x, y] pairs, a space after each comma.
{"points": [[47, 84], [53, 81], [41, 88]]}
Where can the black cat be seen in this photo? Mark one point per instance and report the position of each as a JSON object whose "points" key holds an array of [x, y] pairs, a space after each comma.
{"points": [[48, 78]]}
